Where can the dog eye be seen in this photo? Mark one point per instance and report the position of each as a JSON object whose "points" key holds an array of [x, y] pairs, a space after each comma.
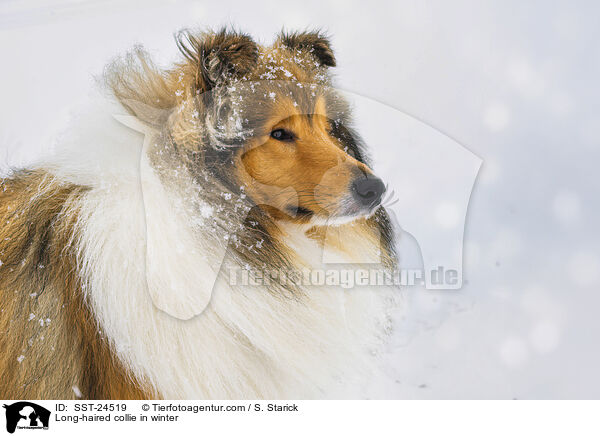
{"points": [[282, 135]]}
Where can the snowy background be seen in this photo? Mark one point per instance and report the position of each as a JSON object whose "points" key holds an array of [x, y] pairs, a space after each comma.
{"points": [[513, 82]]}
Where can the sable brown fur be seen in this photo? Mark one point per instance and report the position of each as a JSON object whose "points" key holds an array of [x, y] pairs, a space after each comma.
{"points": [[51, 345]]}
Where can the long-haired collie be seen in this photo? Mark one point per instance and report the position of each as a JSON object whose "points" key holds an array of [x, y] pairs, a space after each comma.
{"points": [[118, 253]]}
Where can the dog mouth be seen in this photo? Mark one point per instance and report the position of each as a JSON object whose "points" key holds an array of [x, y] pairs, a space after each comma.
{"points": [[361, 201], [299, 212], [355, 214], [347, 215]]}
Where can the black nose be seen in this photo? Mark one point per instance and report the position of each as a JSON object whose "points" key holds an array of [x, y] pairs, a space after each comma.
{"points": [[367, 190]]}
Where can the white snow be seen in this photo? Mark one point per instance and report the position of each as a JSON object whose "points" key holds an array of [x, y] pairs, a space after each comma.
{"points": [[77, 391], [584, 268], [514, 352], [447, 215], [496, 116], [206, 211], [567, 207]]}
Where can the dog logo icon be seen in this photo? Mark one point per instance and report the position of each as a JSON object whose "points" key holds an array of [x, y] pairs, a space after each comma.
{"points": [[26, 415]]}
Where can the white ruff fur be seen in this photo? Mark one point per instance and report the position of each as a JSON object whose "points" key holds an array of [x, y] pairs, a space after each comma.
{"points": [[247, 343]]}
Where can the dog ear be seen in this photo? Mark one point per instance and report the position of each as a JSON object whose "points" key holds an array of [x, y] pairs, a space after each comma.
{"points": [[316, 43], [216, 56]]}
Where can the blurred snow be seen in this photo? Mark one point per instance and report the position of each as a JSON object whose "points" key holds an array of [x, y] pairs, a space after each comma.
{"points": [[514, 82], [496, 116]]}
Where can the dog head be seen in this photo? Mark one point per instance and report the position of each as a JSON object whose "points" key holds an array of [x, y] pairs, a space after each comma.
{"points": [[266, 121]]}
